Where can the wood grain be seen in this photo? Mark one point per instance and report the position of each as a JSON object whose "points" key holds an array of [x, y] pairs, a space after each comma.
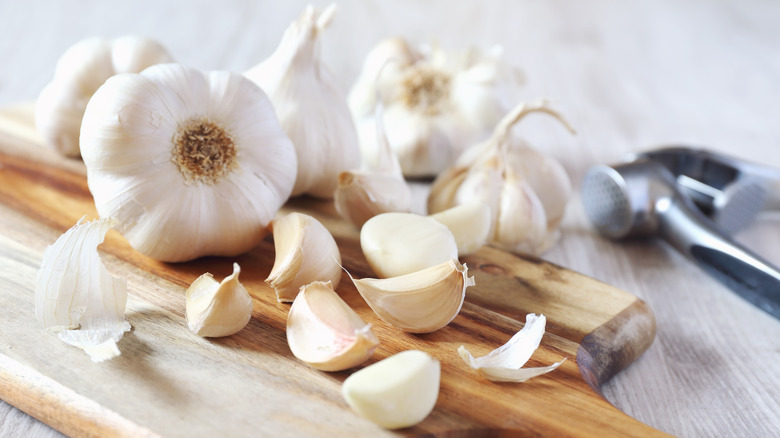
{"points": [[169, 382]]}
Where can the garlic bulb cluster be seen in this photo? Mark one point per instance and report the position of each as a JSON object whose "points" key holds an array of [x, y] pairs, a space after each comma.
{"points": [[80, 71], [311, 108], [525, 190], [215, 309], [190, 163], [438, 102], [76, 297]]}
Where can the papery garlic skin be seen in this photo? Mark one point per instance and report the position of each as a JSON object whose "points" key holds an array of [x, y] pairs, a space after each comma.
{"points": [[305, 252], [438, 102], [399, 391], [215, 309], [469, 223], [402, 243], [312, 109], [420, 302], [80, 71], [76, 297], [324, 332], [191, 163]]}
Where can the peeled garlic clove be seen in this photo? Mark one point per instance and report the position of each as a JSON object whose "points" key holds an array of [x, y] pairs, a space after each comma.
{"points": [[305, 252], [324, 332], [469, 224], [399, 391], [504, 364], [420, 302], [218, 309], [76, 297], [401, 243]]}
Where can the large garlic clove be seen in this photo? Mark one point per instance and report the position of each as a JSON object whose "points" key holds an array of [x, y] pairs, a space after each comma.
{"points": [[76, 297], [399, 391], [469, 223], [402, 243], [420, 302], [324, 332], [215, 309], [305, 252]]}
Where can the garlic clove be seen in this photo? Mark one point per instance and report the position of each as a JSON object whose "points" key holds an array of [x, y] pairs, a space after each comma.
{"points": [[401, 243], [469, 223], [421, 302], [215, 309], [396, 392], [324, 332], [521, 224], [305, 252], [361, 196]]}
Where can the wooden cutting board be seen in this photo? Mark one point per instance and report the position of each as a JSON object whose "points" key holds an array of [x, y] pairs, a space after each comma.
{"points": [[169, 382]]}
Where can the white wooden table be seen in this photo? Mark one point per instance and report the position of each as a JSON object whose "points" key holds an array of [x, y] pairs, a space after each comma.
{"points": [[628, 75]]}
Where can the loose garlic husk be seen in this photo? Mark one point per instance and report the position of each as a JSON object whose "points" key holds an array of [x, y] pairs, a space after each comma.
{"points": [[305, 252], [469, 223], [76, 297], [190, 163], [215, 309], [402, 243], [420, 302], [398, 391], [324, 332], [437, 102], [526, 191], [312, 109], [80, 71]]}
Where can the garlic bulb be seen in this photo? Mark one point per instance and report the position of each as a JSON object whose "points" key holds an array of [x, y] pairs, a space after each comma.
{"points": [[401, 243], [76, 297], [505, 363], [469, 223], [78, 74], [438, 102], [420, 302], [399, 391], [311, 108], [190, 163], [305, 252], [218, 309], [526, 191], [324, 332]]}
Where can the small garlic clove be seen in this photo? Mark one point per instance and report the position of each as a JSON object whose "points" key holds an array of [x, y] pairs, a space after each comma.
{"points": [[324, 332], [421, 302], [521, 224], [469, 223], [218, 309], [361, 196], [402, 243], [305, 252], [399, 391]]}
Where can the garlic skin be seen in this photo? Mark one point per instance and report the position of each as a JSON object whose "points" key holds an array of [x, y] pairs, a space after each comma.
{"points": [[421, 302], [469, 223], [402, 243], [396, 392], [80, 71], [305, 252], [75, 295], [190, 163], [215, 309], [312, 109], [324, 332], [438, 102], [505, 363], [526, 192]]}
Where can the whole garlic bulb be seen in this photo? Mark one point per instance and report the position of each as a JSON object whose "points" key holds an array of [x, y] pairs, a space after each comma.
{"points": [[190, 163], [78, 74], [437, 102], [526, 191], [311, 108]]}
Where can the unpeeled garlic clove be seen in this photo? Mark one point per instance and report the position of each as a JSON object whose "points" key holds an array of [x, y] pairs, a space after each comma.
{"points": [[218, 309], [399, 391], [305, 252], [420, 302], [469, 223], [402, 243], [324, 332]]}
